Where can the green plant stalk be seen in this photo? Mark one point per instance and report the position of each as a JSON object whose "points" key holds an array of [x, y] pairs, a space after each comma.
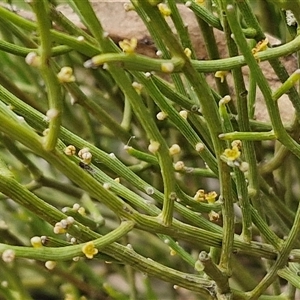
{"points": [[51, 81], [273, 110], [176, 79], [180, 123], [294, 6], [242, 192], [97, 111], [18, 33], [110, 161], [33, 169], [204, 66], [142, 63], [274, 163], [15, 289], [212, 270], [86, 47], [150, 224], [213, 53], [248, 146], [287, 85], [23, 51], [279, 69], [168, 91], [281, 259], [248, 136], [140, 111], [251, 96], [134, 259], [279, 205], [178, 249], [204, 14], [181, 28], [69, 252], [292, 277], [265, 230], [210, 113]]}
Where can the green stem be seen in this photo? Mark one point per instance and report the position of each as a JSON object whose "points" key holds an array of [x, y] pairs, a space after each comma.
{"points": [[51, 81], [69, 252], [248, 136], [140, 110]]}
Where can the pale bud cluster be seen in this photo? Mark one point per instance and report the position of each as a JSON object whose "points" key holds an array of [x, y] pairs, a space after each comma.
{"points": [[62, 226], [85, 155]]}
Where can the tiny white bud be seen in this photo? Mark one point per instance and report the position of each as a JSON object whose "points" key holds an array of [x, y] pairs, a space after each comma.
{"points": [[179, 165], [161, 116], [200, 147], [70, 220], [32, 59], [36, 242], [167, 67], [52, 113], [174, 149], [154, 146], [8, 255], [107, 185], [183, 114], [50, 265]]}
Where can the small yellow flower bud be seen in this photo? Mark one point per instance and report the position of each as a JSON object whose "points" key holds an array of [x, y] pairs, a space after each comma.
{"points": [[58, 228], [199, 266], [211, 197], [231, 154], [36, 242], [260, 46], [65, 75], [200, 196], [89, 250], [167, 67], [221, 75], [164, 9], [117, 179], [128, 46], [174, 149], [70, 150], [154, 146], [172, 252], [188, 52], [81, 210], [200, 2]]}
